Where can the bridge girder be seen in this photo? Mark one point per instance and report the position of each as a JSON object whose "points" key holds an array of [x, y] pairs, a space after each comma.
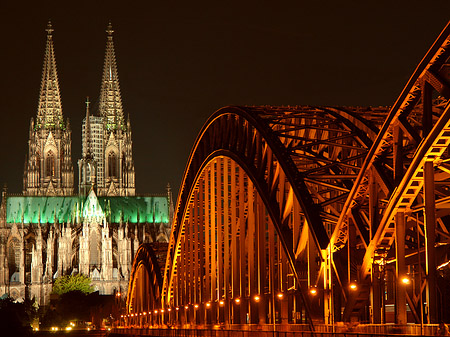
{"points": [[282, 199], [301, 160]]}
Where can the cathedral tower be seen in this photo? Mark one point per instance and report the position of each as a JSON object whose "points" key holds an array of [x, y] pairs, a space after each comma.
{"points": [[48, 166], [110, 135]]}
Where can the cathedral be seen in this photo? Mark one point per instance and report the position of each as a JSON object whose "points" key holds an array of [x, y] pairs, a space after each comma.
{"points": [[54, 229]]}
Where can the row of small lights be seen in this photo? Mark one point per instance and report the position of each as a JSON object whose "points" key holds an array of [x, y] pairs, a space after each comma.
{"points": [[313, 290], [237, 300]]}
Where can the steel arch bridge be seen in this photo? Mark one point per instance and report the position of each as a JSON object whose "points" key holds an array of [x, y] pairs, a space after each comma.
{"points": [[316, 214]]}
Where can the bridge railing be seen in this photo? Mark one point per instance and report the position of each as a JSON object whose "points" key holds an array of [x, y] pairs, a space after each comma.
{"points": [[254, 330]]}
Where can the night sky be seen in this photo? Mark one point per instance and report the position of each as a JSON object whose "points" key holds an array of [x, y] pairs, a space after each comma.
{"points": [[179, 61]]}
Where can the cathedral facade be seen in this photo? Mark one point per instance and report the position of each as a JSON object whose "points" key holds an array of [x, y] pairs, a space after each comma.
{"points": [[50, 230]]}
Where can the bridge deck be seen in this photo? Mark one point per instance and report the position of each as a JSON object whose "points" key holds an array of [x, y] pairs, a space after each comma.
{"points": [[294, 330]]}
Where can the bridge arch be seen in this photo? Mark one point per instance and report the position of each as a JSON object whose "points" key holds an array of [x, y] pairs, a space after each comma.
{"points": [[391, 221], [144, 289], [276, 201], [292, 168]]}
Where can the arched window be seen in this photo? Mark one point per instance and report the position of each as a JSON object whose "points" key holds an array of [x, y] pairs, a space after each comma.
{"points": [[50, 164], [112, 166], [13, 256]]}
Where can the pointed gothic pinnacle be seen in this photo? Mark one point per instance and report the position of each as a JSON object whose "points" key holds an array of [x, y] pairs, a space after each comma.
{"points": [[49, 28], [109, 29]]}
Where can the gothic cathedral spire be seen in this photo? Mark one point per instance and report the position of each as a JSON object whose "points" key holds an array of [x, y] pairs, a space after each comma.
{"points": [[110, 104], [49, 110], [109, 136], [48, 167]]}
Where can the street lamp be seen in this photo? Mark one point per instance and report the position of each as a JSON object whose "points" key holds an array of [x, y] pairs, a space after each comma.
{"points": [[257, 298]]}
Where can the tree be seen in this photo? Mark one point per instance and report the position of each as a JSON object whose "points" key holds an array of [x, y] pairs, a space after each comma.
{"points": [[76, 282]]}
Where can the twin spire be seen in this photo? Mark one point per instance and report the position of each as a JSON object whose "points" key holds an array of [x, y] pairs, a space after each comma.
{"points": [[110, 104], [49, 109]]}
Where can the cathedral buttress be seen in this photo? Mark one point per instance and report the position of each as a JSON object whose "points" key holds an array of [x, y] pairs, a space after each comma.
{"points": [[48, 167]]}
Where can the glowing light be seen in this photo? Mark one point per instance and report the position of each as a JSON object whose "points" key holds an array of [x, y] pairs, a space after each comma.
{"points": [[196, 306], [68, 328], [353, 286], [140, 314], [256, 298], [177, 308], [280, 296], [221, 303], [313, 291], [88, 329], [169, 310], [237, 300], [145, 313], [121, 316], [186, 307], [406, 280], [156, 311], [208, 305], [162, 310]]}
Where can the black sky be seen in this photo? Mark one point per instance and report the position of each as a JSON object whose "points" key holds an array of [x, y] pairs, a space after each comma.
{"points": [[179, 61]]}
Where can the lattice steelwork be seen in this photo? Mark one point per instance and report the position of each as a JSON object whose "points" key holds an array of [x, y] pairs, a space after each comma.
{"points": [[271, 181], [351, 203], [144, 289]]}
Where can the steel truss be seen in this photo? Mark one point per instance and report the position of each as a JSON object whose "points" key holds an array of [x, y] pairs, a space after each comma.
{"points": [[144, 289], [352, 204], [261, 194]]}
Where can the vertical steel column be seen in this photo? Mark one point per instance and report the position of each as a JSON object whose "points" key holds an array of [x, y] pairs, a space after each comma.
{"points": [[430, 238], [201, 248], [327, 287], [192, 283], [195, 244], [226, 241], [273, 288], [244, 306], [208, 206], [252, 268], [400, 303], [261, 249], [182, 269], [220, 238], [214, 216], [235, 289], [298, 227]]}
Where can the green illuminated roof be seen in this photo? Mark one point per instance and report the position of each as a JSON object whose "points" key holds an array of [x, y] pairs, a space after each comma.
{"points": [[130, 209]]}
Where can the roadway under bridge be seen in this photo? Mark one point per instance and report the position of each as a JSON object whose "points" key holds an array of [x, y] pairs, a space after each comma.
{"points": [[311, 218]]}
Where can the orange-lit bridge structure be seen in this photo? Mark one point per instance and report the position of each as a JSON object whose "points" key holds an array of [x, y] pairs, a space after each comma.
{"points": [[311, 216]]}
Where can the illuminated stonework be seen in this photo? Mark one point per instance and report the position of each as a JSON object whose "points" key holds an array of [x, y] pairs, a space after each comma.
{"points": [[48, 167], [107, 138], [49, 231]]}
